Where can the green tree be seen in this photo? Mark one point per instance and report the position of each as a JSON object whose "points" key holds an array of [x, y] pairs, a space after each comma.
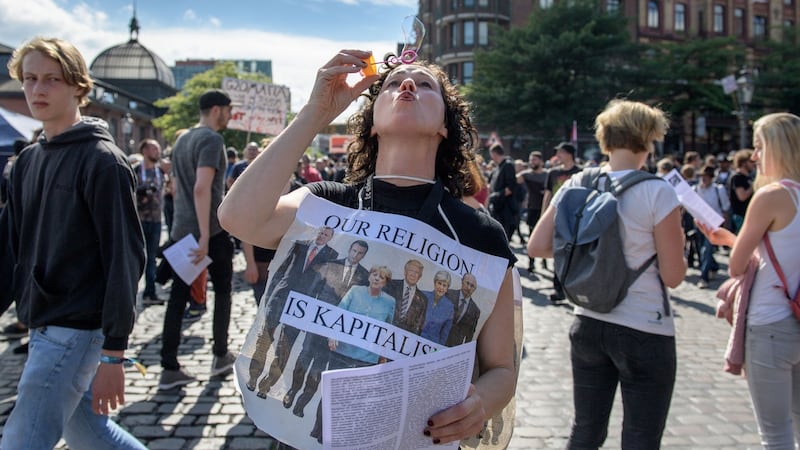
{"points": [[564, 65], [683, 77], [778, 82], [182, 109]]}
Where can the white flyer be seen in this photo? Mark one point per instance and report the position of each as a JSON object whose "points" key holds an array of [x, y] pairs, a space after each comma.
{"points": [[387, 406], [693, 203], [179, 257]]}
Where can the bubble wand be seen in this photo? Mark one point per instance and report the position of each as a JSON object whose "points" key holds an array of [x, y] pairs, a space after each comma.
{"points": [[413, 33]]}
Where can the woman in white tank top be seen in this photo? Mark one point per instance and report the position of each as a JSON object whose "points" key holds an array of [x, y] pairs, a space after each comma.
{"points": [[772, 340]]}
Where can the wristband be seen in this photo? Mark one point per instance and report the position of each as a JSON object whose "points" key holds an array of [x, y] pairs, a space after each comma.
{"points": [[127, 362]]}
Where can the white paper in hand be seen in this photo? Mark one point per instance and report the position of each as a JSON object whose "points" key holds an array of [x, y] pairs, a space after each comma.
{"points": [[179, 257], [693, 203]]}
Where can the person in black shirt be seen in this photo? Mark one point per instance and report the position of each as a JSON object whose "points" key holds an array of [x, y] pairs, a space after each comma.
{"points": [[72, 254], [502, 183], [740, 188], [534, 177], [413, 140], [556, 177]]}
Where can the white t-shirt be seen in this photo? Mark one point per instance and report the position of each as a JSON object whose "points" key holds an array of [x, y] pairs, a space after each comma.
{"points": [[715, 196], [768, 303], [640, 209]]}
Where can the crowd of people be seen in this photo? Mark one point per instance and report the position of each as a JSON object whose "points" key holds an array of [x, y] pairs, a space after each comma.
{"points": [[413, 157]]}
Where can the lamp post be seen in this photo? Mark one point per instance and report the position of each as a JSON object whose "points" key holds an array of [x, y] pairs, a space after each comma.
{"points": [[127, 132], [745, 92]]}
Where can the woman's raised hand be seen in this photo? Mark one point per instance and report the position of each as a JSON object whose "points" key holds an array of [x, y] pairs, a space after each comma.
{"points": [[331, 94]]}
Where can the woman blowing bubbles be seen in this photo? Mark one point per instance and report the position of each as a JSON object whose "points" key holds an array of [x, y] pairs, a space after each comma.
{"points": [[413, 141]]}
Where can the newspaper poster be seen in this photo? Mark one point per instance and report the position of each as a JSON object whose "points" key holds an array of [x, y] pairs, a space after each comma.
{"points": [[353, 288], [258, 107]]}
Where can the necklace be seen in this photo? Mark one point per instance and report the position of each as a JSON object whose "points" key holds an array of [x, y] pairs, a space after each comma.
{"points": [[404, 177]]}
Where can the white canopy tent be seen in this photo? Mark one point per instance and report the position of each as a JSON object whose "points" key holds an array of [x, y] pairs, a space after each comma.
{"points": [[15, 126]]}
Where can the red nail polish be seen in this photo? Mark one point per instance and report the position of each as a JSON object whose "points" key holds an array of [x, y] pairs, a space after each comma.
{"points": [[426, 433], [430, 423], [436, 441]]}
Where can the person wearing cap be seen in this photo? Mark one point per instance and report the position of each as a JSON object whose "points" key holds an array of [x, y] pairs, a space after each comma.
{"points": [[199, 162], [565, 153], [724, 171], [716, 197]]}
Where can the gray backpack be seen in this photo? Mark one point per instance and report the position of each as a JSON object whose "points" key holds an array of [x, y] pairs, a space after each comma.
{"points": [[587, 245]]}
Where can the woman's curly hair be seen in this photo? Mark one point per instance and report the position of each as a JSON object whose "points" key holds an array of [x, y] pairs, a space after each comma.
{"points": [[454, 153]]}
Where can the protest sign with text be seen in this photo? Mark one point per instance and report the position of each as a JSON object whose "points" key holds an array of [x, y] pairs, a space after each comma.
{"points": [[259, 107]]}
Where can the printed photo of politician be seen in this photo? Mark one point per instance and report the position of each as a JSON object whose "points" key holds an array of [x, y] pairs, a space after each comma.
{"points": [[466, 314], [333, 280], [411, 303], [438, 308], [440, 312], [296, 273], [371, 301]]}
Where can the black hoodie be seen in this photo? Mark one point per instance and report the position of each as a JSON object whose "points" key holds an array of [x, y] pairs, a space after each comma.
{"points": [[72, 238]]}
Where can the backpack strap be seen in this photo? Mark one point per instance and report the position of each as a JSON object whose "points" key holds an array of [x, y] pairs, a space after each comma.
{"points": [[590, 176], [628, 181], [664, 294]]}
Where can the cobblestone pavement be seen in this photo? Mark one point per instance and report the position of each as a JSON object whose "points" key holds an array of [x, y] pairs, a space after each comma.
{"points": [[710, 408]]}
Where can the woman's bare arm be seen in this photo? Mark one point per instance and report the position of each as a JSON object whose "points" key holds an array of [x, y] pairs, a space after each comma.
{"points": [[497, 381]]}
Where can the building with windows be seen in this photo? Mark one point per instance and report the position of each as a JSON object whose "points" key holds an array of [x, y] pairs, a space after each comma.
{"points": [[748, 21], [456, 28], [186, 69]]}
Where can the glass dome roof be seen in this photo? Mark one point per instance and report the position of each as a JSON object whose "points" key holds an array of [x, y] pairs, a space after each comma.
{"points": [[131, 61]]}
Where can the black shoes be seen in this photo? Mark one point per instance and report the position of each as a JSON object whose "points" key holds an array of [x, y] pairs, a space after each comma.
{"points": [[15, 330], [152, 299]]}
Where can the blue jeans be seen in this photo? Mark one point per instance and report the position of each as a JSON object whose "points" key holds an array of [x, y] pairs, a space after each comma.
{"points": [[54, 396], [220, 250], [772, 361], [707, 262], [152, 237], [643, 364]]}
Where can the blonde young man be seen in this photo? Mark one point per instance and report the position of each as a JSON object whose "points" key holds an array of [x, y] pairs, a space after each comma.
{"points": [[71, 200]]}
